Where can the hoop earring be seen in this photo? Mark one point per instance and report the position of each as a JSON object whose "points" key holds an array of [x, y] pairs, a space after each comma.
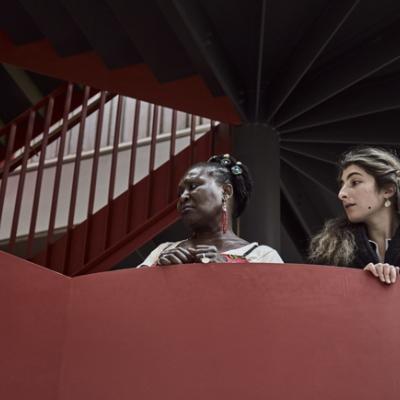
{"points": [[387, 203], [224, 216]]}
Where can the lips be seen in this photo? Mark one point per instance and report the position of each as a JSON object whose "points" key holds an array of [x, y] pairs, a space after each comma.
{"points": [[186, 208], [347, 206]]}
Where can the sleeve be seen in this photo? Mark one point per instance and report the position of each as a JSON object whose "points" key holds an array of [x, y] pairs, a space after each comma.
{"points": [[265, 254], [152, 258]]}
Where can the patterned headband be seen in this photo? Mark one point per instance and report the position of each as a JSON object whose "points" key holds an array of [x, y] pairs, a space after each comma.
{"points": [[225, 161]]}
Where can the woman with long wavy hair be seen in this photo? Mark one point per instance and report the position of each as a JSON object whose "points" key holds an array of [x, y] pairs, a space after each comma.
{"points": [[369, 236]]}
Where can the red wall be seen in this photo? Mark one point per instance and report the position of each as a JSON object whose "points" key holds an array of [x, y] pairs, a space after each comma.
{"points": [[198, 332]]}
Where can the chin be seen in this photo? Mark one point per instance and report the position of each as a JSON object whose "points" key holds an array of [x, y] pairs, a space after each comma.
{"points": [[189, 220], [354, 219]]}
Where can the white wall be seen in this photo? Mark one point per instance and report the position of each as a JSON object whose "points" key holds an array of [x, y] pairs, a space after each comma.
{"points": [[103, 173]]}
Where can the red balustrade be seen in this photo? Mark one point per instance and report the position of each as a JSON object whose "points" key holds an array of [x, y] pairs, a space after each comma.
{"points": [[243, 331], [142, 206]]}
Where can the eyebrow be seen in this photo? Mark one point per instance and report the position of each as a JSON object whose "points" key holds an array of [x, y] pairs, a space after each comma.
{"points": [[189, 179], [350, 175]]}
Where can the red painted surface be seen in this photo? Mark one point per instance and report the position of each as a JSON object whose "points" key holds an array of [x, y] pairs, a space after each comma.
{"points": [[33, 312], [189, 94], [243, 331]]}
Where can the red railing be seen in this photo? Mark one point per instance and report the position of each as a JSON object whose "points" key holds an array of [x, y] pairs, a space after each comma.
{"points": [[216, 331], [41, 207]]}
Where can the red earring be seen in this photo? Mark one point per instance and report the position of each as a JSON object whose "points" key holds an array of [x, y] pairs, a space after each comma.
{"points": [[224, 216]]}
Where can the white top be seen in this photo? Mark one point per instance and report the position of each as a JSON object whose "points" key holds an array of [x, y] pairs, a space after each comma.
{"points": [[261, 254]]}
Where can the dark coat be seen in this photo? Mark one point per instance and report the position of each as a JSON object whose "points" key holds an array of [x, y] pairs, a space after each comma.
{"points": [[366, 253]]}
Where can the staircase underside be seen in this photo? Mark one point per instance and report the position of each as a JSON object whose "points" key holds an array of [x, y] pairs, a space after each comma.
{"points": [[189, 94], [272, 61], [324, 75]]}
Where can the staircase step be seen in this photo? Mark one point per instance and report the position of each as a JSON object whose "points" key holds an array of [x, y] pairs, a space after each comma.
{"points": [[165, 56], [58, 26], [12, 18], [103, 32]]}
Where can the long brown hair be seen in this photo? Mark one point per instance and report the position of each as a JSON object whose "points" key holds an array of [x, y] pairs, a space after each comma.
{"points": [[335, 243]]}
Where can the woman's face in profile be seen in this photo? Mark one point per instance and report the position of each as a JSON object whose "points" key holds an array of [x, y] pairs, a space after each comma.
{"points": [[200, 198], [359, 194]]}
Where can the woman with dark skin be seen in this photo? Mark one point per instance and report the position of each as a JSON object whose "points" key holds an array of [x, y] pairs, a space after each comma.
{"points": [[211, 194]]}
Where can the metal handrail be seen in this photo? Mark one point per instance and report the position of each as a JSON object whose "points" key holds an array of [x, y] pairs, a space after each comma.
{"points": [[30, 135]]}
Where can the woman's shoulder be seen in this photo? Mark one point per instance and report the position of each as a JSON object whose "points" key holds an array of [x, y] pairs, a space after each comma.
{"points": [[263, 253]]}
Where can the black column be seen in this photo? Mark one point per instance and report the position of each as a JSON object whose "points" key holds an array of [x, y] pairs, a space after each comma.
{"points": [[257, 146]]}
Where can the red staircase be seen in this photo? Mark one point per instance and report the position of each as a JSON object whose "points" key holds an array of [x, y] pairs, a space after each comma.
{"points": [[62, 100], [127, 221]]}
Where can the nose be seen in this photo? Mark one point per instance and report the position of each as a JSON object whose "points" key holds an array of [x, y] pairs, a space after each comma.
{"points": [[342, 194], [184, 197]]}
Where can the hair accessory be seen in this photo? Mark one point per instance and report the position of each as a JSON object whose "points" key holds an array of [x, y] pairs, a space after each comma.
{"points": [[387, 203], [226, 161], [236, 169]]}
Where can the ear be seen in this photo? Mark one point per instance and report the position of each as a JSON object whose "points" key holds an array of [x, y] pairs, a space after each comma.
{"points": [[227, 190], [390, 191]]}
